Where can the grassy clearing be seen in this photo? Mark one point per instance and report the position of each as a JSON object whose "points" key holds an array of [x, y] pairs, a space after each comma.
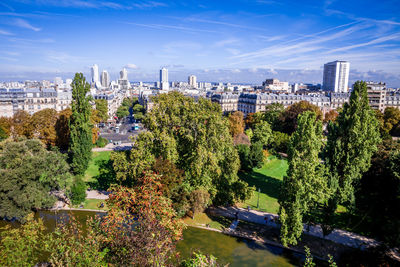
{"points": [[203, 219], [93, 169], [93, 204], [268, 179]]}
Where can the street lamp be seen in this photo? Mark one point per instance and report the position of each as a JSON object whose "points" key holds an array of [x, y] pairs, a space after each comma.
{"points": [[258, 199]]}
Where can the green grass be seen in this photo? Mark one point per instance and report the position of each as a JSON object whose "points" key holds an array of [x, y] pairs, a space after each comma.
{"points": [[203, 219], [93, 169], [268, 179], [93, 204]]}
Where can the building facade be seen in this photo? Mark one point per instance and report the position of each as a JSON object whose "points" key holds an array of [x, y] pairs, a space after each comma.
{"points": [[336, 76]]}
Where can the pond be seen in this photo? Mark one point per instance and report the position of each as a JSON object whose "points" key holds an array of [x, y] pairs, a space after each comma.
{"points": [[227, 249]]}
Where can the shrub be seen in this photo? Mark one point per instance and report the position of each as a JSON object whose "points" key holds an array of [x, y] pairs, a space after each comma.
{"points": [[78, 191], [101, 142]]}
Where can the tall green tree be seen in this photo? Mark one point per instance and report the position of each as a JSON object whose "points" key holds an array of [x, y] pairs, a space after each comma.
{"points": [[80, 146], [305, 184], [378, 199], [262, 133], [352, 140], [102, 109]]}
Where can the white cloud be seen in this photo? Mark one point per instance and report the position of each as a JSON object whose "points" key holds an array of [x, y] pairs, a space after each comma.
{"points": [[25, 24], [131, 66], [226, 42], [3, 32]]}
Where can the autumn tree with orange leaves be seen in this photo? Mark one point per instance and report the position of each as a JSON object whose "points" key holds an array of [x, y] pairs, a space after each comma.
{"points": [[141, 227]]}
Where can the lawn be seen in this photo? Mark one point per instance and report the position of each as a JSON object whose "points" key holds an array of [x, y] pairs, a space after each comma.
{"points": [[204, 220], [268, 179], [93, 169], [93, 204]]}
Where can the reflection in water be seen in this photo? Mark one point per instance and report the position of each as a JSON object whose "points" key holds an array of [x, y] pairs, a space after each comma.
{"points": [[236, 251], [227, 249]]}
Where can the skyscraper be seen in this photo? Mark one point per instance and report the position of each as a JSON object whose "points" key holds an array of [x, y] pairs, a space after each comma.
{"points": [[105, 79], [164, 79], [95, 74], [192, 80], [123, 74], [336, 76]]}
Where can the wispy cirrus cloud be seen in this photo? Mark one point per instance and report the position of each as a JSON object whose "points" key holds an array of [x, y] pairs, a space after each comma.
{"points": [[170, 27], [24, 24], [3, 32]]}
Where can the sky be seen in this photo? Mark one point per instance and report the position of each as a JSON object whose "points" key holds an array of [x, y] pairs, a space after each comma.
{"points": [[221, 41]]}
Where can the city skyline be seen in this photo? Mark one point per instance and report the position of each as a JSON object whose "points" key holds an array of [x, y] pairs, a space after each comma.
{"points": [[235, 41]]}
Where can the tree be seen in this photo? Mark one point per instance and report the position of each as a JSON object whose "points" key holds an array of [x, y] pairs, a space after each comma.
{"points": [[352, 140], [378, 197], [76, 244], [195, 137], [80, 147], [3, 134], [272, 114], [262, 133], [391, 118], [62, 129], [236, 123], [279, 141], [21, 124], [138, 111], [288, 119], [122, 112], [28, 172], [304, 184], [94, 120], [141, 227], [244, 156], [102, 109], [253, 118], [23, 246], [43, 123], [331, 116], [5, 128], [78, 191]]}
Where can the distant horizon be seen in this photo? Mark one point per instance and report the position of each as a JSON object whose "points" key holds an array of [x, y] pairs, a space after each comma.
{"points": [[228, 41]]}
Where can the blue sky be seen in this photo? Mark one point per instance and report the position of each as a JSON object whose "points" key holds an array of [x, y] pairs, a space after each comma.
{"points": [[235, 41]]}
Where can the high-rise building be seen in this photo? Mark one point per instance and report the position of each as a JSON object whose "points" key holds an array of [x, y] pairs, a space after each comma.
{"points": [[95, 74], [123, 74], [192, 80], [336, 76], [164, 79], [105, 79]]}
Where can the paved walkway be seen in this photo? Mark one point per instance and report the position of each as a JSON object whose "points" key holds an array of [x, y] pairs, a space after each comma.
{"points": [[112, 147], [337, 235], [95, 194]]}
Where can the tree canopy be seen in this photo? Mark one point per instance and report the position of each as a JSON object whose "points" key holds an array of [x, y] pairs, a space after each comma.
{"points": [[195, 138], [288, 119], [28, 172], [102, 109]]}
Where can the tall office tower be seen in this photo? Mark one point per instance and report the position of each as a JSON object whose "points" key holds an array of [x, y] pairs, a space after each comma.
{"points": [[95, 74], [336, 76], [164, 79], [192, 80], [105, 78], [123, 74]]}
